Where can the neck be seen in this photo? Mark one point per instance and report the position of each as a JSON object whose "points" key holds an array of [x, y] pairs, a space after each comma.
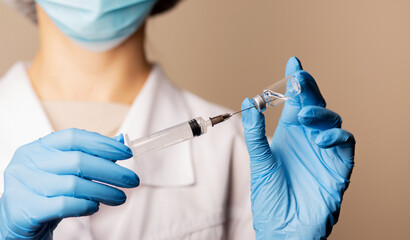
{"points": [[62, 71]]}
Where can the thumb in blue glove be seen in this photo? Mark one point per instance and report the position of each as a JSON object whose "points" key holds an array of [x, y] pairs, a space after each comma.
{"points": [[119, 138], [298, 181]]}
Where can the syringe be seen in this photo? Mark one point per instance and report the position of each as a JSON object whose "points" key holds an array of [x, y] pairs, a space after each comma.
{"points": [[271, 96], [174, 135]]}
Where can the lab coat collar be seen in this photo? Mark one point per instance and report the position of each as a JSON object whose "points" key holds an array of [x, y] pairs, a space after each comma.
{"points": [[159, 105], [24, 119]]}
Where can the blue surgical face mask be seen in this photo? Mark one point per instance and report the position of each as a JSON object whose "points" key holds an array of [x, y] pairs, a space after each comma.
{"points": [[97, 25]]}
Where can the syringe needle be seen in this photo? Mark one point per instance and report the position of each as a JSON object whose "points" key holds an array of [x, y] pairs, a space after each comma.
{"points": [[223, 117], [241, 110]]}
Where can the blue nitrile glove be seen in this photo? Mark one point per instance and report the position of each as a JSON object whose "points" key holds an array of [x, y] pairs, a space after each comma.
{"points": [[51, 179], [297, 183]]}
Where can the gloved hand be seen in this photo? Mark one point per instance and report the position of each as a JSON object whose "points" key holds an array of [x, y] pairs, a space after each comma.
{"points": [[297, 183], [52, 178]]}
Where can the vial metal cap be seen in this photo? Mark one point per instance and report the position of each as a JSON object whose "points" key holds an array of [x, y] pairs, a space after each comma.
{"points": [[259, 102]]}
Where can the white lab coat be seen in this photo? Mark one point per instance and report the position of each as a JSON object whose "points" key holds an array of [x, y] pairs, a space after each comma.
{"points": [[195, 190]]}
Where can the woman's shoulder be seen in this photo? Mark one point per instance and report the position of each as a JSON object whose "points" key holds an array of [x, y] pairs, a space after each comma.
{"points": [[200, 105], [15, 75]]}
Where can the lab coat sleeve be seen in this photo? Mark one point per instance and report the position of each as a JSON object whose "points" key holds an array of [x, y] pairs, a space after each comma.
{"points": [[239, 224]]}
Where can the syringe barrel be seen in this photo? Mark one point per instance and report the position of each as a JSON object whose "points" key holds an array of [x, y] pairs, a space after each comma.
{"points": [[168, 137]]}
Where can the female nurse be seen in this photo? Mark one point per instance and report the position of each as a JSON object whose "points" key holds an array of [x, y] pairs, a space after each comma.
{"points": [[90, 72]]}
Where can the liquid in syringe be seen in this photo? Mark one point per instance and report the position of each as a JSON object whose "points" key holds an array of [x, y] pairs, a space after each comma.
{"points": [[173, 135]]}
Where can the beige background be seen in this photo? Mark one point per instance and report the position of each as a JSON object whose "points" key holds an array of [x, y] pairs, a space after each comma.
{"points": [[358, 50]]}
